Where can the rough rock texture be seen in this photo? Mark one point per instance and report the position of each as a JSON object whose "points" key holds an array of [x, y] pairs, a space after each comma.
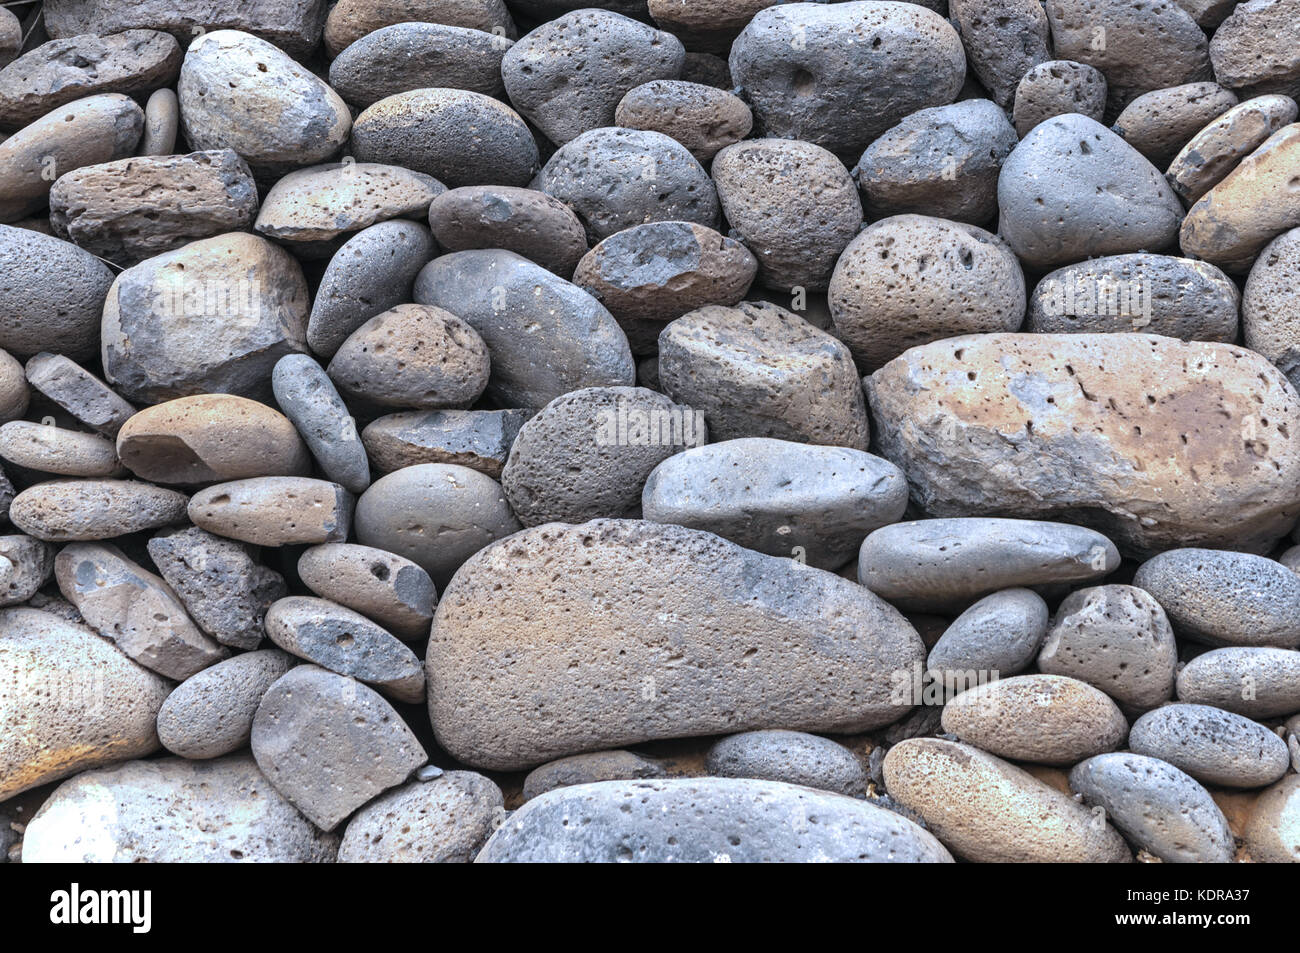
{"points": [[26, 564], [443, 821], [1212, 745], [1003, 40], [1159, 123], [999, 633], [51, 295], [1185, 443], [1257, 47], [79, 392], [1270, 309], [715, 625], [350, 20], [405, 56], [388, 588], [308, 398], [595, 766], [701, 118], [529, 223], [1055, 88], [478, 439], [790, 756], [1215, 150], [1272, 834], [1255, 682], [275, 511], [66, 510]]}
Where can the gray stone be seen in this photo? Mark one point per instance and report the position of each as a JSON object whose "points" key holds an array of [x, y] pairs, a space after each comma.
{"points": [[757, 370], [26, 564], [79, 392], [587, 768], [942, 161], [1159, 123], [275, 511], [225, 591], [436, 515], [1003, 40], [374, 271], [51, 295], [941, 565], [1225, 598], [564, 639], [1156, 806], [1270, 306], [173, 811], [790, 756], [1255, 682], [702, 118], [308, 398], [529, 223], [587, 454], [618, 53], [162, 122], [352, 20], [838, 75], [811, 504], [1255, 48], [329, 744], [1072, 189], [388, 588], [706, 820], [65, 510], [1000, 633], [795, 206], [443, 821], [44, 448], [211, 713], [69, 701], [478, 439], [1215, 150], [546, 336], [136, 609], [406, 56], [616, 178], [1055, 88], [1212, 745], [15, 395]]}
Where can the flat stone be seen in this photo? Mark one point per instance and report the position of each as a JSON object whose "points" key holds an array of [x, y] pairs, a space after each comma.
{"points": [[308, 398], [588, 768], [388, 588], [79, 392], [1216, 149], [790, 756], [52, 296], [275, 511], [49, 449], [504, 616], [1212, 745], [443, 821], [211, 713], [65, 510], [527, 222], [1250, 681], [329, 744], [478, 439]]}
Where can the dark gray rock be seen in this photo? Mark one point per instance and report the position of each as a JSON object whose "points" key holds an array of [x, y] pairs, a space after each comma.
{"points": [[51, 295], [588, 768], [406, 56], [1255, 682], [478, 439], [790, 756], [1000, 633], [442, 821], [1055, 88], [211, 713], [308, 398], [1212, 745], [1003, 40], [529, 223]]}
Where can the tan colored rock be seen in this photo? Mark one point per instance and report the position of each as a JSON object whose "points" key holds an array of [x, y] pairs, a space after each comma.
{"points": [[1153, 441], [14, 393], [274, 510], [1159, 123], [388, 588], [162, 121], [1216, 149], [49, 449], [350, 20], [563, 639], [66, 510], [702, 118], [986, 810], [211, 437], [1272, 834]]}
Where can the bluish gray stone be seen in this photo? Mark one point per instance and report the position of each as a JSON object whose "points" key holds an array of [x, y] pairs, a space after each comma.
{"points": [[793, 757], [211, 713], [1212, 745], [1255, 682], [308, 398], [999, 633]]}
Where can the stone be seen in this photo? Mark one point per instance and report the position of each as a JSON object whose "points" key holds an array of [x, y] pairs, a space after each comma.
{"points": [[308, 397], [616, 178], [275, 510], [1067, 409], [707, 70], [986, 810], [69, 701], [546, 337], [1270, 310], [529, 223], [61, 71], [478, 439], [1217, 148], [1159, 123], [426, 130], [390, 589], [162, 122], [1212, 745], [1230, 224], [856, 69], [412, 356], [1155, 294], [49, 449], [347, 643], [1055, 88], [812, 504], [372, 273], [11, 44], [942, 161], [1254, 49], [211, 713], [285, 118], [351, 20], [1072, 189], [587, 454], [125, 602], [650, 274], [1225, 598], [705, 24], [1255, 682], [795, 206], [84, 132], [51, 295], [790, 756], [1116, 638], [436, 515], [26, 564], [588, 768], [406, 56], [1272, 835], [14, 392], [1003, 41], [314, 209], [943, 565], [1208, 14], [620, 54], [212, 317], [702, 118], [224, 590], [443, 821], [79, 392], [623, 598], [911, 279], [173, 811], [1045, 719], [1156, 806], [718, 360], [329, 744], [211, 438], [1141, 47], [999, 635], [132, 209], [706, 820], [66, 510]]}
